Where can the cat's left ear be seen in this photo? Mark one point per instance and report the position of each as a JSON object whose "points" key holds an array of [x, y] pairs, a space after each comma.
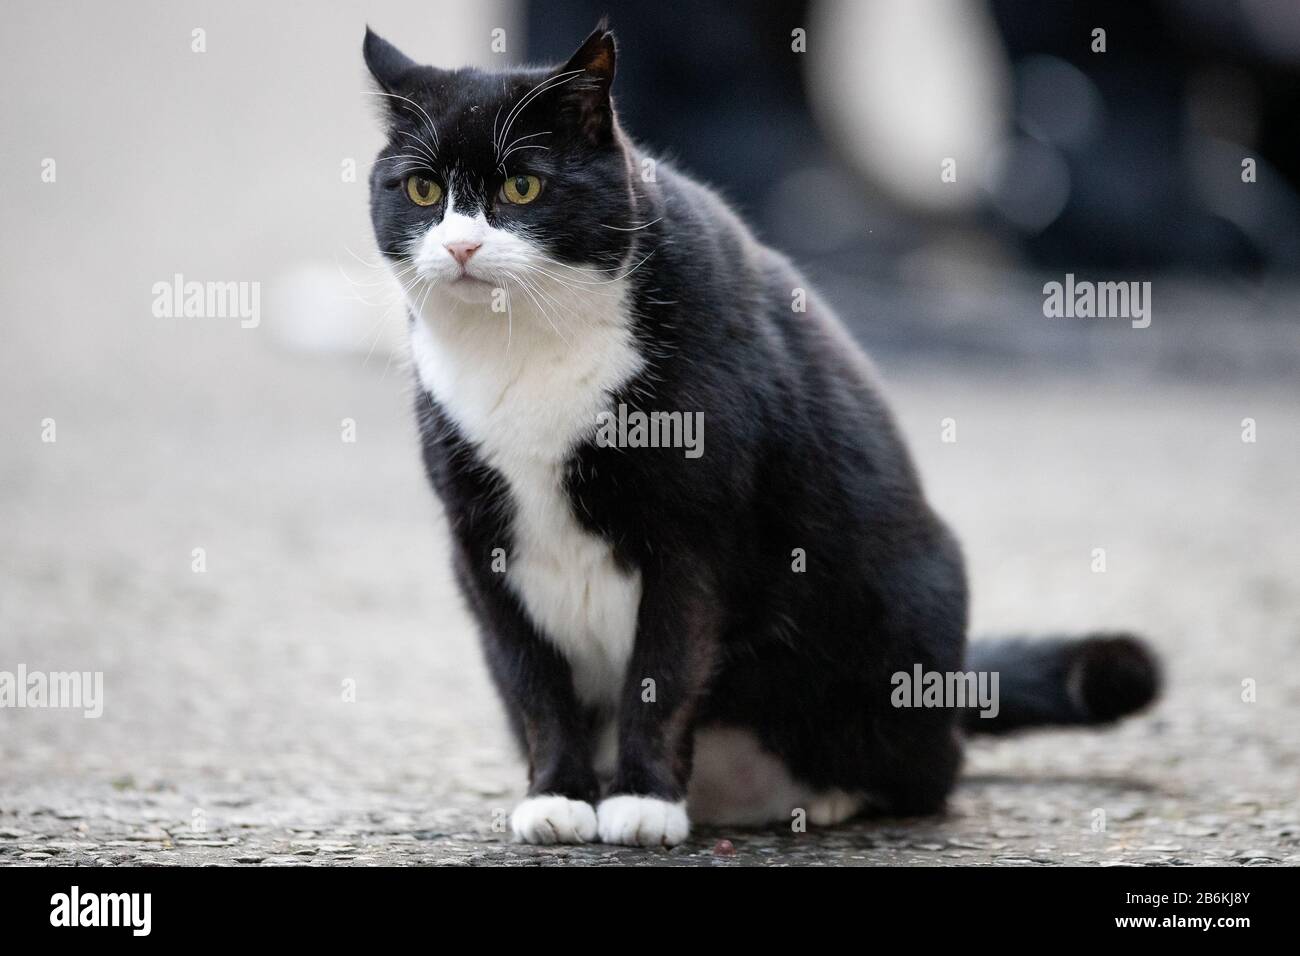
{"points": [[387, 64], [586, 98]]}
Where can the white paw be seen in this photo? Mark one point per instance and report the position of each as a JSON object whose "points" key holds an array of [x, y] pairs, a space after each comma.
{"points": [[553, 820], [642, 821], [832, 807]]}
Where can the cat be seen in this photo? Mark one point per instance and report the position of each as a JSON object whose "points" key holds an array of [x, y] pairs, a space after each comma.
{"points": [[714, 637]]}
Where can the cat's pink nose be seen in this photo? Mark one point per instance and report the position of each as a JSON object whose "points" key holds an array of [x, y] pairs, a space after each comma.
{"points": [[461, 251]]}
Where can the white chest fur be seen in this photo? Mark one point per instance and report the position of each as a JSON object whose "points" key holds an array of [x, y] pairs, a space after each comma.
{"points": [[526, 407]]}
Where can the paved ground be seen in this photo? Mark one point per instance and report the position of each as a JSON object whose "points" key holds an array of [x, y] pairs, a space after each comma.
{"points": [[226, 737]]}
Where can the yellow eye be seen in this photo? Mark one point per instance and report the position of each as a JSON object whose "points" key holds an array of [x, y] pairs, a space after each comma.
{"points": [[423, 192], [521, 189]]}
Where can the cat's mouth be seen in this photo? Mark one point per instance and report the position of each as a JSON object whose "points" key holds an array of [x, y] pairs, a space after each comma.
{"points": [[469, 288]]}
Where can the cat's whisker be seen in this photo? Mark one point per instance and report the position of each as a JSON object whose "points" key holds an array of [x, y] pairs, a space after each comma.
{"points": [[583, 270], [402, 299], [643, 261], [510, 318], [419, 309], [377, 333], [413, 162], [574, 286], [398, 284], [386, 284], [357, 296], [424, 146], [520, 139], [515, 146], [587, 269], [403, 275], [594, 282], [530, 288], [385, 273], [433, 128], [524, 285], [534, 291], [560, 306], [412, 165], [388, 281], [584, 321], [400, 274], [416, 168], [407, 300], [395, 157], [516, 149], [580, 276], [644, 225], [555, 80], [381, 264], [527, 98]]}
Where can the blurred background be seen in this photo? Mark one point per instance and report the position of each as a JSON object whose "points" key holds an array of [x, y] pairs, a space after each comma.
{"points": [[231, 142], [1117, 155]]}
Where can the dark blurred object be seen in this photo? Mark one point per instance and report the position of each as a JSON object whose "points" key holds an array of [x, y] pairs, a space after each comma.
{"points": [[711, 85], [1150, 135], [716, 88], [1118, 165], [1127, 159]]}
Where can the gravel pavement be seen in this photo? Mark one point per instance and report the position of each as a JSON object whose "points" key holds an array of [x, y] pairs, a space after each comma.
{"points": [[315, 695]]}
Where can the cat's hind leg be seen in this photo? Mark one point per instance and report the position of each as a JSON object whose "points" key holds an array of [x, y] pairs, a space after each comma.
{"points": [[738, 782]]}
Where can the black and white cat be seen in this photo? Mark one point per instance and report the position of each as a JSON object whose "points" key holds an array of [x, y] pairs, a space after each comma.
{"points": [[710, 634]]}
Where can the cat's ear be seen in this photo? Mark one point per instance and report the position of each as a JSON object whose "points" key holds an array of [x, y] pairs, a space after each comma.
{"points": [[585, 99], [387, 64]]}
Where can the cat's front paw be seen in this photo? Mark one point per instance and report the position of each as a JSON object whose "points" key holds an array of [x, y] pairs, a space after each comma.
{"points": [[642, 821], [551, 819]]}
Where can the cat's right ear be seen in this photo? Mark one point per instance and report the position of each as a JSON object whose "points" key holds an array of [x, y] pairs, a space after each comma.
{"points": [[387, 64]]}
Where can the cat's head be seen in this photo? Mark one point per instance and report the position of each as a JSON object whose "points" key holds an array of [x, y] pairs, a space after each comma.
{"points": [[490, 179]]}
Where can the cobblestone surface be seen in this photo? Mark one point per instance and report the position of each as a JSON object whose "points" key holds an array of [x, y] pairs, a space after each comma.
{"points": [[226, 736]]}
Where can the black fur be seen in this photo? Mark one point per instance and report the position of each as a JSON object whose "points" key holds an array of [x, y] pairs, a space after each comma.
{"points": [[1063, 681], [802, 456]]}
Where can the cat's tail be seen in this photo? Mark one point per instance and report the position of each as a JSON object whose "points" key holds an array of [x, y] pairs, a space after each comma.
{"points": [[1063, 682]]}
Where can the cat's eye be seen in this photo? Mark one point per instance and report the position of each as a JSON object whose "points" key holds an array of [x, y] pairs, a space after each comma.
{"points": [[521, 189], [423, 192]]}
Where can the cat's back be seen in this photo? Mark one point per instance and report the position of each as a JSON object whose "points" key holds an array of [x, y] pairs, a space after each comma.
{"points": [[742, 299], [791, 391]]}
